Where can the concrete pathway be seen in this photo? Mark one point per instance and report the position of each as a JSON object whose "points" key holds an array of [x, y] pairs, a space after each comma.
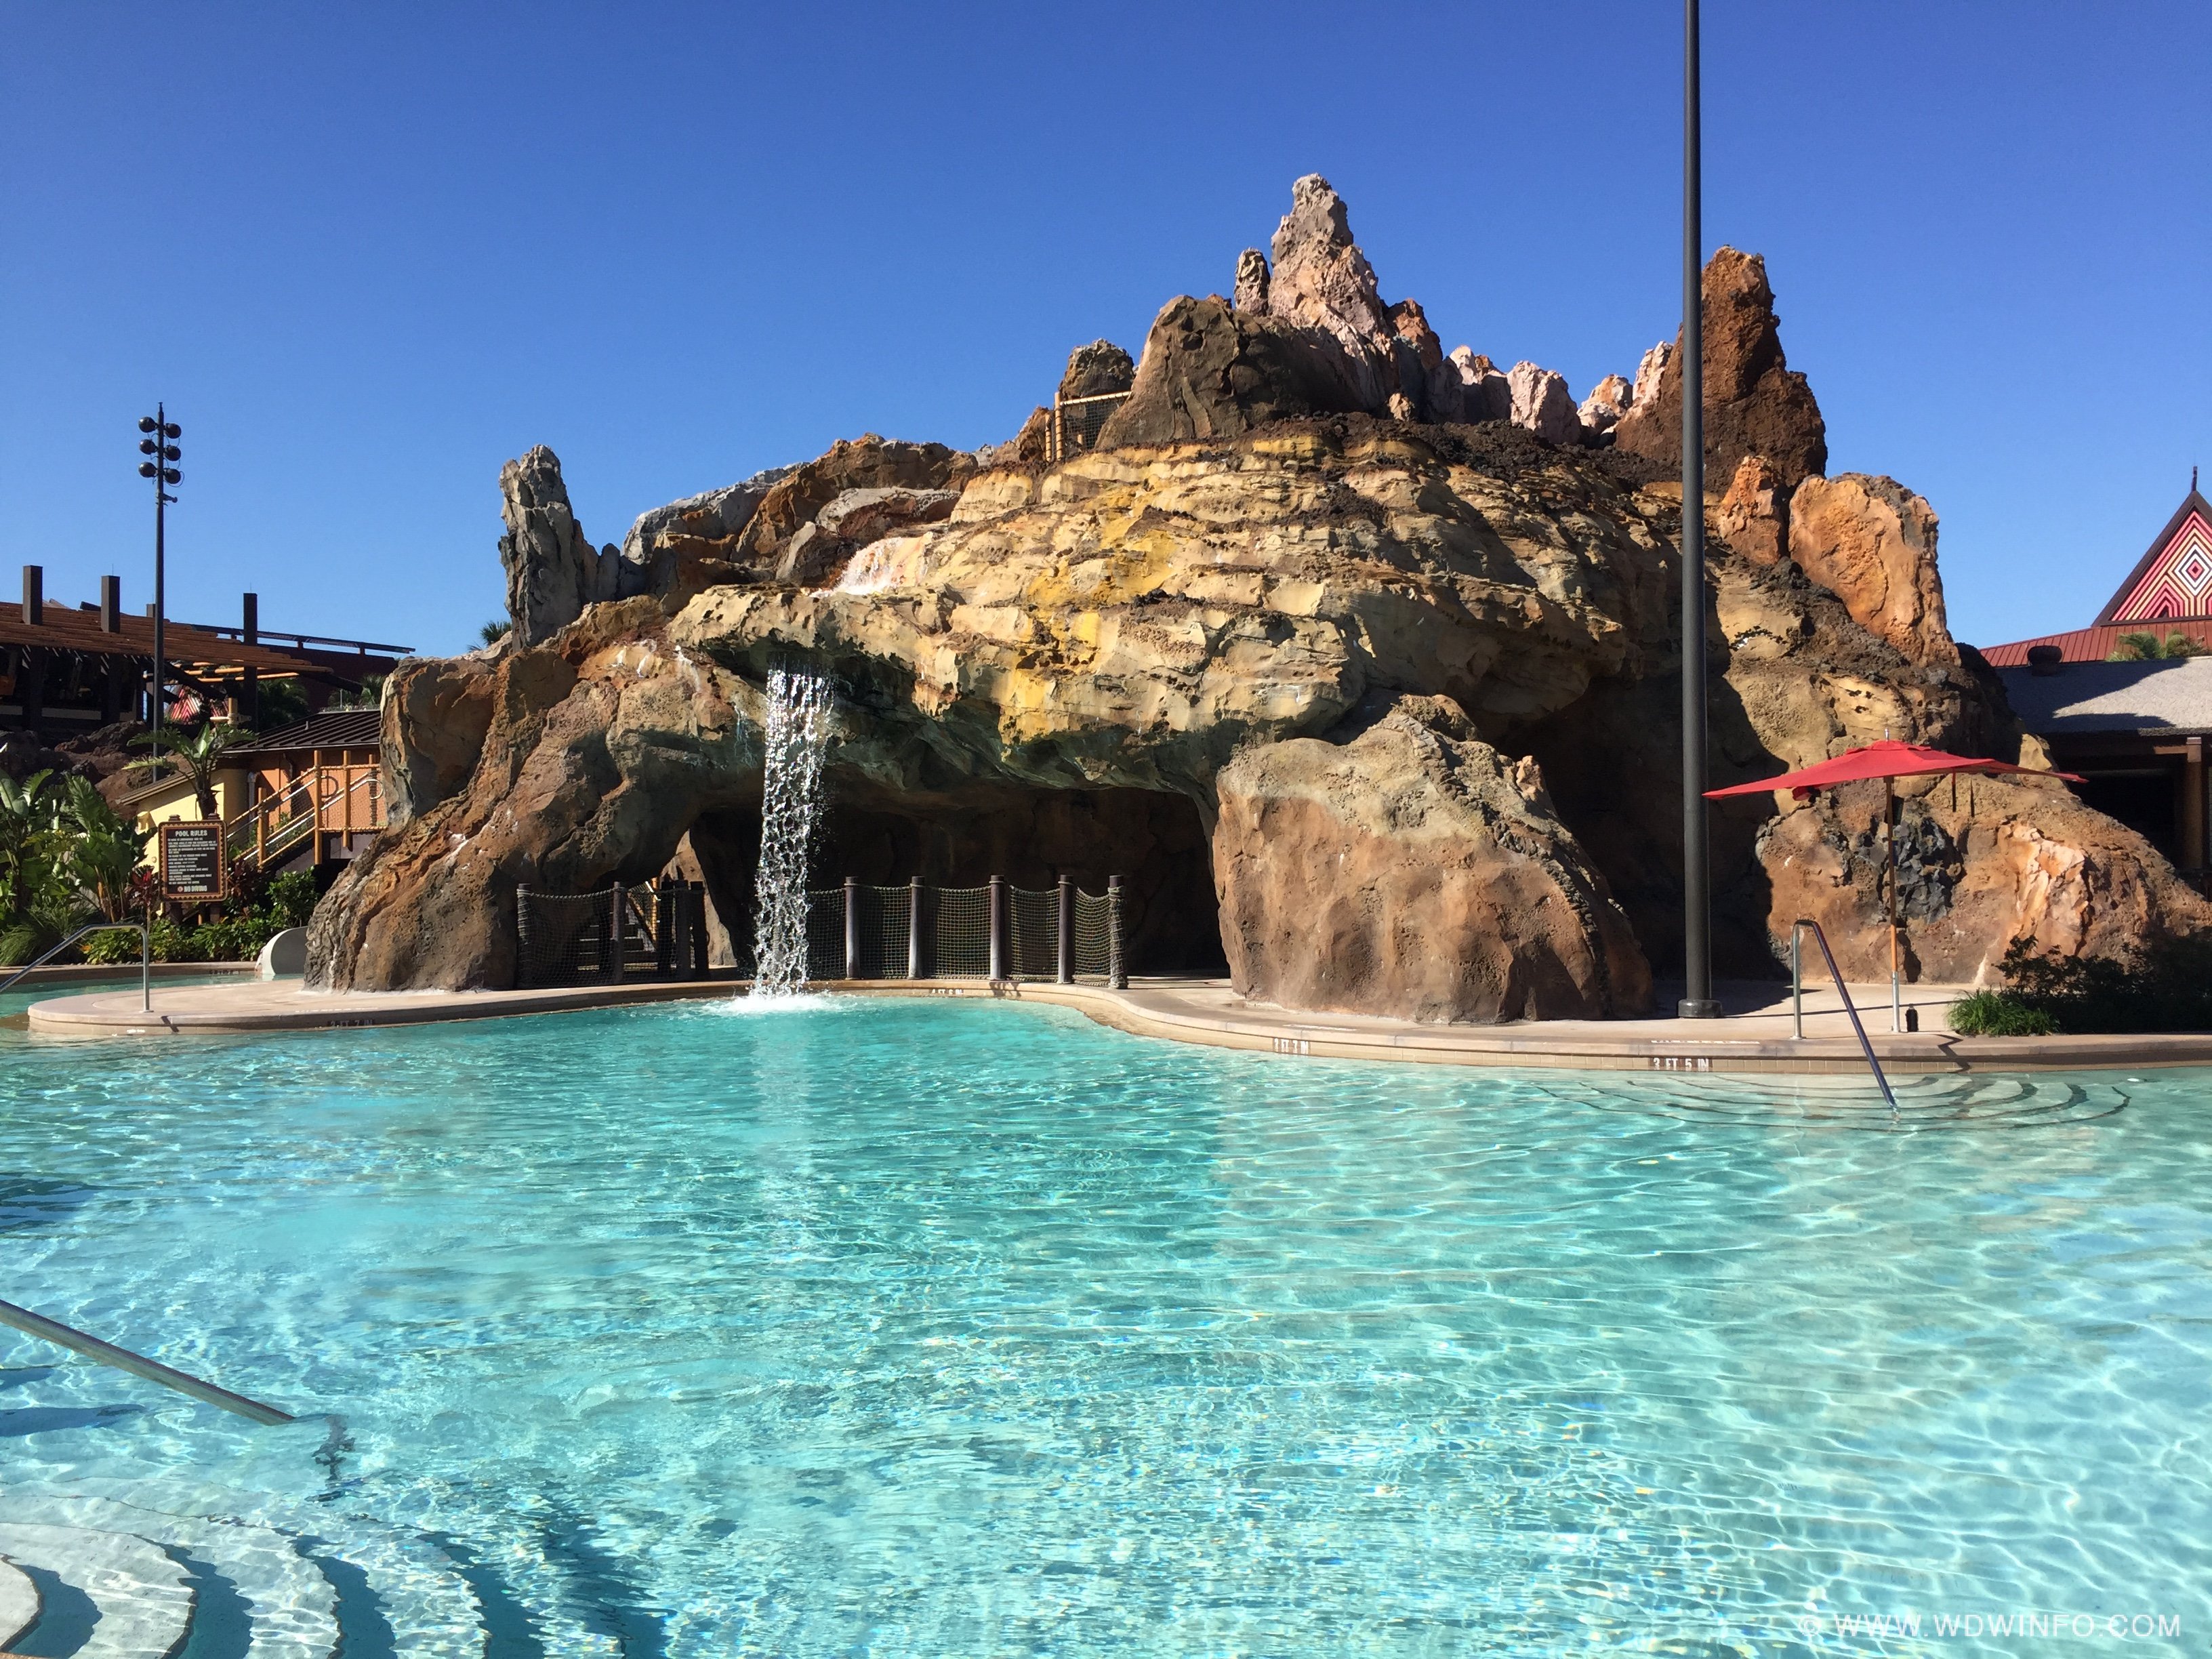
{"points": [[1757, 1036]]}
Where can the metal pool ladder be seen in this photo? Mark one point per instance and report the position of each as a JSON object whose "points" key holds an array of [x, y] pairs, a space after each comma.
{"points": [[145, 958], [68, 1336], [1797, 996]]}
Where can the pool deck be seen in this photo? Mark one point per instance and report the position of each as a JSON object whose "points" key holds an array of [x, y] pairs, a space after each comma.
{"points": [[1756, 1036]]}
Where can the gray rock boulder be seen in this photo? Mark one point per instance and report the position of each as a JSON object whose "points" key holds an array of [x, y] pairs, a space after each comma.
{"points": [[1211, 370], [1324, 847], [1096, 370], [818, 554], [648, 555]]}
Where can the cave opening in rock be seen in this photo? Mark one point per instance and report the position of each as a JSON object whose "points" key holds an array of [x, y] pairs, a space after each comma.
{"points": [[1156, 841]]}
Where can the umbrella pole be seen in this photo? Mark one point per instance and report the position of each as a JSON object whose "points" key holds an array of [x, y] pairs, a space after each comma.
{"points": [[1889, 835]]}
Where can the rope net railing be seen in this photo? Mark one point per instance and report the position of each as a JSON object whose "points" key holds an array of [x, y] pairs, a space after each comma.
{"points": [[1033, 934], [962, 935], [1076, 423], [856, 931], [619, 933], [864, 931], [1094, 944]]}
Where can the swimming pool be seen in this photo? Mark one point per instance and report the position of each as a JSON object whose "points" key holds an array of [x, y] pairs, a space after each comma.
{"points": [[908, 1327]]}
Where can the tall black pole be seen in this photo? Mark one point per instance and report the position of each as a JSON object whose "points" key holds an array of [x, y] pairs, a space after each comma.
{"points": [[161, 595], [1697, 876]]}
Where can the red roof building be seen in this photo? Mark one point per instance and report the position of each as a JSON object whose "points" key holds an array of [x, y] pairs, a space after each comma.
{"points": [[2135, 725], [2168, 592]]}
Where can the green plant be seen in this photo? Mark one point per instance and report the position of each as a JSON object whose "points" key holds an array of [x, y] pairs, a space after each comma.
{"points": [[108, 948], [39, 904], [101, 852], [172, 944], [280, 703], [2164, 987], [232, 938], [2149, 647], [200, 751], [290, 898], [493, 632], [1998, 1013]]}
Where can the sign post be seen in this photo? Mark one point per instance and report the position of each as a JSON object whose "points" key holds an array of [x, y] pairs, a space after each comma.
{"points": [[193, 868]]}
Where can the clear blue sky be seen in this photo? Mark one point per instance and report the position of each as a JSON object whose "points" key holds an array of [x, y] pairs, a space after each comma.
{"points": [[369, 253]]}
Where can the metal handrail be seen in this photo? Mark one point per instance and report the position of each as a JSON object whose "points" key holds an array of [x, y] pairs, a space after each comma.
{"points": [[1797, 996], [68, 1336], [145, 958]]}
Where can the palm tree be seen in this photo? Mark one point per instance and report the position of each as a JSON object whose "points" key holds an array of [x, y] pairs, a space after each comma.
{"points": [[201, 752], [2149, 647]]}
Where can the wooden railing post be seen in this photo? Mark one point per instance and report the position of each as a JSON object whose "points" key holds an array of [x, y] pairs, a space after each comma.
{"points": [[995, 927], [1064, 945], [612, 949], [523, 931], [699, 951], [665, 949], [1117, 975], [852, 928], [913, 927]]}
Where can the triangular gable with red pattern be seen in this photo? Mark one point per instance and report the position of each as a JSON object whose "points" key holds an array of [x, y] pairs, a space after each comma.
{"points": [[2172, 582]]}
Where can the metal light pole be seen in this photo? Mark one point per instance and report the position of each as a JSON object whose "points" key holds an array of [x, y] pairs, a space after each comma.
{"points": [[1698, 1001], [160, 445]]}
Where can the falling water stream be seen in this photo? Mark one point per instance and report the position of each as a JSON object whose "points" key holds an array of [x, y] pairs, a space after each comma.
{"points": [[799, 702]]}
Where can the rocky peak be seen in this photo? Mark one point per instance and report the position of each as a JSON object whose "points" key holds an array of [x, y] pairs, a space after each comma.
{"points": [[1322, 279], [1542, 404], [552, 572], [1251, 290], [1610, 399], [1410, 326], [1754, 404]]}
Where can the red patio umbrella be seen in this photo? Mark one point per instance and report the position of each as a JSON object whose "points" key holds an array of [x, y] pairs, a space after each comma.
{"points": [[1888, 760]]}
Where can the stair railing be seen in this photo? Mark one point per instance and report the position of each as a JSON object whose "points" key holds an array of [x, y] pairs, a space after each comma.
{"points": [[1797, 996], [145, 958], [77, 1341], [318, 799]]}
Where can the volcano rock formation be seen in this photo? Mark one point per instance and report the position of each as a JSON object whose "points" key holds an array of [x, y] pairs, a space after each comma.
{"points": [[1356, 658]]}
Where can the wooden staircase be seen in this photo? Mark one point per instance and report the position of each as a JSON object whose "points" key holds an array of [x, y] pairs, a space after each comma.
{"points": [[323, 802]]}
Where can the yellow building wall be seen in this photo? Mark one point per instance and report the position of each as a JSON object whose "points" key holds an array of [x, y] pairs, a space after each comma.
{"points": [[175, 801]]}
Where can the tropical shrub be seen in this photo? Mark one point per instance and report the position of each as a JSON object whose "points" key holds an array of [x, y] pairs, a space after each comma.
{"points": [[2149, 647], [1998, 1013], [40, 903], [2164, 987], [103, 851]]}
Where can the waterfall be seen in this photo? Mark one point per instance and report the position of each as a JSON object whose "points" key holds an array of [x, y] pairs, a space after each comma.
{"points": [[791, 800]]}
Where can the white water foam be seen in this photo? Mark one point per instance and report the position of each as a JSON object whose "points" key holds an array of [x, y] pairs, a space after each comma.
{"points": [[798, 702], [760, 1005]]}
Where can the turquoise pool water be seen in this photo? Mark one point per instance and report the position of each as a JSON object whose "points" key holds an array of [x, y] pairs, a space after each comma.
{"points": [[948, 1328]]}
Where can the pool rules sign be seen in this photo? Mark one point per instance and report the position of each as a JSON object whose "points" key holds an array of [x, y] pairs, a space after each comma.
{"points": [[191, 863]]}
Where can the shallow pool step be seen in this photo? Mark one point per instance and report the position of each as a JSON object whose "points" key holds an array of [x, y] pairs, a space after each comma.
{"points": [[119, 1594], [272, 1589], [19, 1604], [1925, 1102], [253, 1580]]}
